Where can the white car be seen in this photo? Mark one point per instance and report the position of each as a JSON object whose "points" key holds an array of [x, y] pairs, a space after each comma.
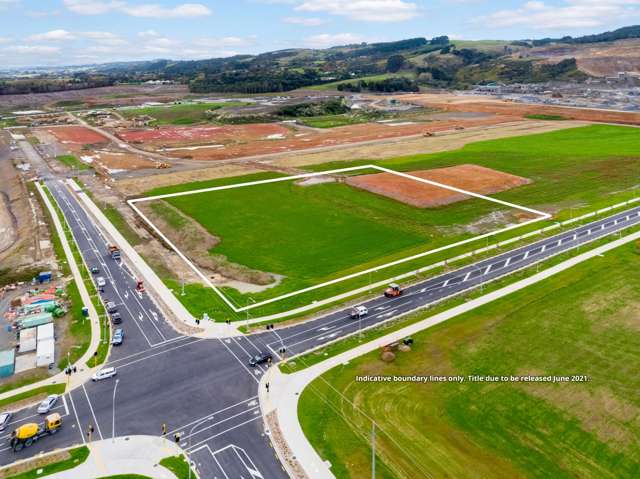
{"points": [[47, 405], [104, 373], [358, 312], [100, 281]]}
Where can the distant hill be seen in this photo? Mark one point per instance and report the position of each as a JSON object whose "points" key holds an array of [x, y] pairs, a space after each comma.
{"points": [[404, 65]]}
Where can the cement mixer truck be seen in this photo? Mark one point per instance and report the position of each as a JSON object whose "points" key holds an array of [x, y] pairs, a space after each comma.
{"points": [[27, 434]]}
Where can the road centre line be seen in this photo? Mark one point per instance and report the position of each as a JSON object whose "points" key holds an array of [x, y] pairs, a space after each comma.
{"points": [[241, 363], [226, 419], [225, 431], [75, 412], [156, 354], [92, 413]]}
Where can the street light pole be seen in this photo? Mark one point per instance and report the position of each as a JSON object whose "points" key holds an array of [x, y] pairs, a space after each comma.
{"points": [[113, 420], [373, 450]]}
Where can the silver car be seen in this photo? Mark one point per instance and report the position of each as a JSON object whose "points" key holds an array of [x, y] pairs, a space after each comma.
{"points": [[47, 405], [5, 417]]}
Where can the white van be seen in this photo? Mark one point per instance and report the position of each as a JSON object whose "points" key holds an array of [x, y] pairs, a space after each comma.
{"points": [[358, 312]]}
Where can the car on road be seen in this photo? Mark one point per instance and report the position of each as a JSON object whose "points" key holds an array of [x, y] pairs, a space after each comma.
{"points": [[111, 307], [104, 373], [95, 270], [260, 358], [393, 291], [118, 337], [47, 405], [5, 417], [358, 312], [101, 282], [116, 318]]}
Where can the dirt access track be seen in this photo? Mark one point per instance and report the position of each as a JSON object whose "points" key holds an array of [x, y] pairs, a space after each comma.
{"points": [[474, 178], [236, 141], [488, 104]]}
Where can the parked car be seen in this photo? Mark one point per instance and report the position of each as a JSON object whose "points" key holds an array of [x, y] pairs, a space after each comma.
{"points": [[116, 318], [118, 337], [5, 417], [101, 282], [358, 312], [104, 373], [260, 358], [111, 307], [47, 405], [95, 270]]}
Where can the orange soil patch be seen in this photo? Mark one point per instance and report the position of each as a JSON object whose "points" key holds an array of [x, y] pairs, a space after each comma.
{"points": [[492, 105], [221, 134], [123, 161], [77, 134], [305, 139], [474, 178]]}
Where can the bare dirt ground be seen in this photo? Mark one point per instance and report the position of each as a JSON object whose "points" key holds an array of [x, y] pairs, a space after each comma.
{"points": [[597, 59], [303, 139], [23, 243], [387, 148], [474, 178], [486, 104], [77, 134], [113, 95]]}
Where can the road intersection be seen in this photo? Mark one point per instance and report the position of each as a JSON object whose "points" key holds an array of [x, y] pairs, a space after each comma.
{"points": [[204, 389]]}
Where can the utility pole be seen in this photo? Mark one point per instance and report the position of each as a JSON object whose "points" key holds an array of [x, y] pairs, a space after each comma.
{"points": [[113, 421], [373, 450]]}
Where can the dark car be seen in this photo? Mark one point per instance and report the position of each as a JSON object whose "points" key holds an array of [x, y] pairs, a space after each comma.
{"points": [[5, 417], [118, 337], [95, 270], [260, 358], [116, 318]]}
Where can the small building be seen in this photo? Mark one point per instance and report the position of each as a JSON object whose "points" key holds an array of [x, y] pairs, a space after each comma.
{"points": [[28, 340], [45, 353], [142, 120], [7, 362], [45, 332]]}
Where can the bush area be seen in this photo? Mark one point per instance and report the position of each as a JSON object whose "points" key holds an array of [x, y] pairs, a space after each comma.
{"points": [[500, 429], [180, 114], [546, 117]]}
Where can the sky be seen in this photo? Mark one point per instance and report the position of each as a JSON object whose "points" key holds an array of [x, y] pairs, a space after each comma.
{"points": [[75, 32]]}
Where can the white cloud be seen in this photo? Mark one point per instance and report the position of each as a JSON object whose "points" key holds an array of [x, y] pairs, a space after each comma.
{"points": [[186, 10], [92, 7], [52, 36], [148, 34], [325, 40], [8, 3], [105, 38], [147, 10], [5, 40], [225, 42], [32, 49], [306, 21], [364, 10], [572, 14]]}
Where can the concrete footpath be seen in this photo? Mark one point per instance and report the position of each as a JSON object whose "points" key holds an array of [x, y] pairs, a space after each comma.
{"points": [[294, 450], [84, 372], [125, 455]]}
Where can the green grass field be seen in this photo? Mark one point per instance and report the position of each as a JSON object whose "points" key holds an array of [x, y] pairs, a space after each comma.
{"points": [[571, 324], [316, 233], [332, 121], [185, 114], [72, 162]]}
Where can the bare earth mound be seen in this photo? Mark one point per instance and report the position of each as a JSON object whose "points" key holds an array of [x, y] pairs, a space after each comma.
{"points": [[477, 179]]}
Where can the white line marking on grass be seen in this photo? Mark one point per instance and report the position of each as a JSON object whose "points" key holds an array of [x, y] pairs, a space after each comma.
{"points": [[132, 203]]}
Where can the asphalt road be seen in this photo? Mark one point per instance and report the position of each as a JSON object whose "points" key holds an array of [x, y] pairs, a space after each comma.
{"points": [[204, 390]]}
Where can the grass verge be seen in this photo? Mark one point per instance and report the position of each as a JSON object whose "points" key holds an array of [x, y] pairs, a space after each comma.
{"points": [[178, 465], [568, 326], [51, 389], [77, 457]]}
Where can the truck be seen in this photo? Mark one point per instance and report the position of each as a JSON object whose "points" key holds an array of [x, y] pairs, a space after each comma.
{"points": [[114, 251], [27, 434], [393, 291]]}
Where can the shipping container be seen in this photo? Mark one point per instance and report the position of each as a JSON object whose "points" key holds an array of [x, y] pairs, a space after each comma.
{"points": [[35, 320], [46, 353], [7, 362], [28, 340], [45, 332]]}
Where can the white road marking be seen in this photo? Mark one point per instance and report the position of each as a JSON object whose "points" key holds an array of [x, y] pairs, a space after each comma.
{"points": [[92, 413]]}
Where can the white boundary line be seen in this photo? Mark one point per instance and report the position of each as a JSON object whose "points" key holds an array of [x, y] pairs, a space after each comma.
{"points": [[132, 203]]}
